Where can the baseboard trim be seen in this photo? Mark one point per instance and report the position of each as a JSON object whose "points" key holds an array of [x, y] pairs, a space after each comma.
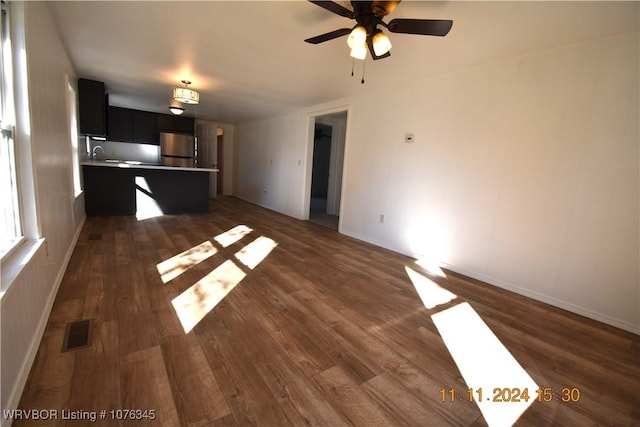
{"points": [[547, 299]]}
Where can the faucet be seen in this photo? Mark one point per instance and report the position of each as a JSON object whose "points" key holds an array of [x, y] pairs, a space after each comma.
{"points": [[94, 155]]}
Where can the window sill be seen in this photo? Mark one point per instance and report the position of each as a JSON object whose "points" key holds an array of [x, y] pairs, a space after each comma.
{"points": [[15, 261], [12, 247]]}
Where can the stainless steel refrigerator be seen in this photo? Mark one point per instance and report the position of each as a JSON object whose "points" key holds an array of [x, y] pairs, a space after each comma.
{"points": [[177, 150]]}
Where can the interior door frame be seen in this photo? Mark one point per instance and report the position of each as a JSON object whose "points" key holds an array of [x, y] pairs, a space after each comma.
{"points": [[337, 151], [311, 122], [229, 165]]}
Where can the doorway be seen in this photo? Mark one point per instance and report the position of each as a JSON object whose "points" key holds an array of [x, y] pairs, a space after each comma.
{"points": [[211, 149], [329, 135]]}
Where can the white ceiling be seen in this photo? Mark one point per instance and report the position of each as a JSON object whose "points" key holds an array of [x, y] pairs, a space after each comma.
{"points": [[248, 59]]}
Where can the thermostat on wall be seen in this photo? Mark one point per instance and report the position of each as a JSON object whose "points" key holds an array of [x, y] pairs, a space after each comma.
{"points": [[409, 138]]}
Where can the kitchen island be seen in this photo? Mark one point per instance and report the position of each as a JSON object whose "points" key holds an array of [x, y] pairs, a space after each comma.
{"points": [[114, 187]]}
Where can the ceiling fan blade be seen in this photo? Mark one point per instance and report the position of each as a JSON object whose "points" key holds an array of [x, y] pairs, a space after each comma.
{"points": [[334, 7], [373, 53], [427, 27], [329, 36]]}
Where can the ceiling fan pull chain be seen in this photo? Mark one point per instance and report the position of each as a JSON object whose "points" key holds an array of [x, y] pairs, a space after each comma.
{"points": [[353, 64], [363, 64]]}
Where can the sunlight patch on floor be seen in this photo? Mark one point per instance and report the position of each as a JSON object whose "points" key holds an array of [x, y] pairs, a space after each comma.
{"points": [[431, 294], [252, 254], [485, 363], [431, 266], [229, 237], [146, 206], [175, 266], [195, 303]]}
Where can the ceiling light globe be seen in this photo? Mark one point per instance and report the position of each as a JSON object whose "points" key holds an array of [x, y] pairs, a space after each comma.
{"points": [[381, 43], [359, 52], [357, 37]]}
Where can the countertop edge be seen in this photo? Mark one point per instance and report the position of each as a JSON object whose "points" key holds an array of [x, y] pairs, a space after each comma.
{"points": [[124, 165]]}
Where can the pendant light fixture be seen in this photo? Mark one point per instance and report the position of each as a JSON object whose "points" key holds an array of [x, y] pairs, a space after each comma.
{"points": [[186, 95]]}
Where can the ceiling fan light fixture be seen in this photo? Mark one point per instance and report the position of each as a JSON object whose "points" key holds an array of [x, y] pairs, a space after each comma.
{"points": [[176, 110], [357, 37], [381, 43], [359, 52], [186, 95]]}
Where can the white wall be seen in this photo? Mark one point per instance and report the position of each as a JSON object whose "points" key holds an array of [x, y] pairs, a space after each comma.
{"points": [[524, 173], [27, 302], [271, 162]]}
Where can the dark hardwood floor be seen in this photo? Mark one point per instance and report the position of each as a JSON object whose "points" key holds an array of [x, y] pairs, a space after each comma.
{"points": [[315, 329]]}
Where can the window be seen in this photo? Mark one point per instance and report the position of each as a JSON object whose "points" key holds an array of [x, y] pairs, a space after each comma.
{"points": [[10, 226], [73, 132]]}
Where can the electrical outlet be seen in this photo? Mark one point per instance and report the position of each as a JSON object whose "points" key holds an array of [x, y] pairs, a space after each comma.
{"points": [[381, 218], [264, 190]]}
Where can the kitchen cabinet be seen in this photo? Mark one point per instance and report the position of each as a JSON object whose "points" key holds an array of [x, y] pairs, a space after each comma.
{"points": [[145, 130], [108, 191], [144, 127], [175, 124], [120, 124], [113, 190], [127, 125], [92, 107]]}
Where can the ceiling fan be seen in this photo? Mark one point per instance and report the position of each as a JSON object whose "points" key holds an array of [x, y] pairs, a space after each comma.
{"points": [[366, 36]]}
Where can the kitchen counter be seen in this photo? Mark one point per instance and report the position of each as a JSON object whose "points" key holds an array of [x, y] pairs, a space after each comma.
{"points": [[130, 188], [141, 165]]}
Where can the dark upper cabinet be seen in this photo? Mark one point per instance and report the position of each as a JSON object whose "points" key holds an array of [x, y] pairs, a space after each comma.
{"points": [[127, 125], [120, 122], [92, 108], [144, 127], [175, 124]]}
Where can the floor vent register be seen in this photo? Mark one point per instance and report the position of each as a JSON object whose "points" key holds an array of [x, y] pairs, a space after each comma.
{"points": [[77, 335]]}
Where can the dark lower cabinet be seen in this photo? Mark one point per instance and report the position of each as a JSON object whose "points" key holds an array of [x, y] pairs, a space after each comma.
{"points": [[116, 191], [108, 191]]}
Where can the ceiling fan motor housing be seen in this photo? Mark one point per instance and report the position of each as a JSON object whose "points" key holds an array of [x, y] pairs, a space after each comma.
{"points": [[383, 8], [365, 15]]}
